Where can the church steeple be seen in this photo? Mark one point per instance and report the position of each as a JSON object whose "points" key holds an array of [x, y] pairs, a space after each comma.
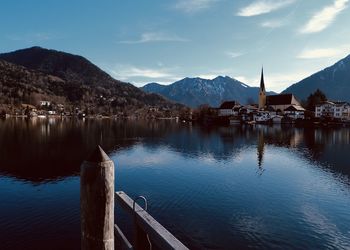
{"points": [[262, 92], [262, 84]]}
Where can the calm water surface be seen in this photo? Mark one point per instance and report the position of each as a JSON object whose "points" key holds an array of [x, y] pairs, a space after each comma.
{"points": [[213, 188]]}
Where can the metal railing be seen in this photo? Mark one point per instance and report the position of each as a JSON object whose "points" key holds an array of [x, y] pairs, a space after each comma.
{"points": [[147, 231]]}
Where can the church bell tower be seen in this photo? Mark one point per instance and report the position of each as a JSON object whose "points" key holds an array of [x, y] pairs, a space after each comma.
{"points": [[262, 93]]}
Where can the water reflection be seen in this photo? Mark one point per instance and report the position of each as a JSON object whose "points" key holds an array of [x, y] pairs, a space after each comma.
{"points": [[49, 149], [213, 187]]}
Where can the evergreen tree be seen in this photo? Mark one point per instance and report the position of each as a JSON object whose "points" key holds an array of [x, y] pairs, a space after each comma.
{"points": [[316, 98]]}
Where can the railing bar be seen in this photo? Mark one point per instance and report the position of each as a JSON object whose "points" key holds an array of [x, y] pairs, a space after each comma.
{"points": [[158, 234], [120, 235]]}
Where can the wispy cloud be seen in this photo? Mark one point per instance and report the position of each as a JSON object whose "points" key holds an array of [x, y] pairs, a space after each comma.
{"points": [[192, 6], [32, 37], [323, 52], [149, 37], [276, 81], [322, 19], [207, 76], [141, 75], [243, 79], [273, 23], [234, 54], [128, 72], [211, 74], [260, 7], [280, 81]]}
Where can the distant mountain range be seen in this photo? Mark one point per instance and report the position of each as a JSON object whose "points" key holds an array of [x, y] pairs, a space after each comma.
{"points": [[33, 73], [334, 81], [193, 92]]}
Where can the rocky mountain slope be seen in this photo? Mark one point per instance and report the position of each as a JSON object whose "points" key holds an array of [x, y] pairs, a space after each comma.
{"points": [[334, 81]]}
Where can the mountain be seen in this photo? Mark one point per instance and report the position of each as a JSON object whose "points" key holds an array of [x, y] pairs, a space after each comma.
{"points": [[196, 91], [334, 81], [78, 81], [18, 82]]}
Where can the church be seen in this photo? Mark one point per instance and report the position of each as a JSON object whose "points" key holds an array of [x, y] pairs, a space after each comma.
{"points": [[277, 103]]}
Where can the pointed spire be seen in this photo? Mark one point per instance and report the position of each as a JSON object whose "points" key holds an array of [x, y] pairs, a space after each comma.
{"points": [[262, 84], [98, 156]]}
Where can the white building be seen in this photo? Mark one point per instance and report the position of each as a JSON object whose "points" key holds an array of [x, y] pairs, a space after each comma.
{"points": [[247, 112], [229, 108], [339, 110], [45, 103], [295, 112]]}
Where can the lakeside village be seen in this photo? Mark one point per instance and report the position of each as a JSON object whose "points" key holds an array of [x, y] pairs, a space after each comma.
{"points": [[281, 109], [272, 109]]}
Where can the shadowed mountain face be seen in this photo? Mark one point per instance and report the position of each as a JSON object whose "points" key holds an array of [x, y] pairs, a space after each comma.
{"points": [[196, 91], [17, 82], [81, 81], [334, 81]]}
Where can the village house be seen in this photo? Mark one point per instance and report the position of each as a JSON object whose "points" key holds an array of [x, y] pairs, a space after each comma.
{"points": [[60, 107], [339, 110], [295, 112], [45, 103], [153, 109], [229, 108], [247, 112]]}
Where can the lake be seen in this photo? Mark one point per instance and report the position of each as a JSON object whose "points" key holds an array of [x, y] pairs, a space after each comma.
{"points": [[213, 188]]}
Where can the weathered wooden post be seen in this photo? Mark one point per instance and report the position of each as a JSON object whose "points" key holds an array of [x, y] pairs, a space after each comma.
{"points": [[97, 202]]}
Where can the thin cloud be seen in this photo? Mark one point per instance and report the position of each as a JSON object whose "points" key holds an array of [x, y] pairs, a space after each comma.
{"points": [[141, 75], [276, 23], [234, 54], [320, 53], [276, 81], [32, 37], [149, 37], [192, 6], [246, 80], [280, 81], [132, 71], [260, 7], [273, 23], [207, 76], [322, 19]]}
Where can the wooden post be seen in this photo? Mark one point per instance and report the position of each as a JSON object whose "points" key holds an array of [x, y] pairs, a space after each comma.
{"points": [[97, 202]]}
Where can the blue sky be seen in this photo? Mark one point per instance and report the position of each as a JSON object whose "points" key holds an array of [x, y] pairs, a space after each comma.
{"points": [[143, 41]]}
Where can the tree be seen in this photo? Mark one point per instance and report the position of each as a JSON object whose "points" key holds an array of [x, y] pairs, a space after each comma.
{"points": [[250, 101], [204, 111], [316, 98]]}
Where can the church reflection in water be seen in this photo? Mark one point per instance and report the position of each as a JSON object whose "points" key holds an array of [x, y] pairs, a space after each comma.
{"points": [[260, 147], [53, 149]]}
